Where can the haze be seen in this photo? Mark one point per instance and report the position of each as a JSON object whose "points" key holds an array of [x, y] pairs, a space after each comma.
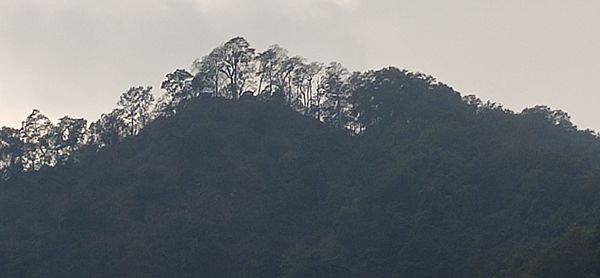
{"points": [[76, 57]]}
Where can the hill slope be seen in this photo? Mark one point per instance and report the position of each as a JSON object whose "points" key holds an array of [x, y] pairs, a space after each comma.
{"points": [[252, 189]]}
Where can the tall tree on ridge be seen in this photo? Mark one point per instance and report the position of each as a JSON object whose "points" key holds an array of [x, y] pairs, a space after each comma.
{"points": [[304, 81], [107, 130], [270, 62], [68, 137], [178, 87], [334, 87], [237, 57], [556, 117], [136, 105], [36, 133], [10, 151], [209, 69], [286, 74]]}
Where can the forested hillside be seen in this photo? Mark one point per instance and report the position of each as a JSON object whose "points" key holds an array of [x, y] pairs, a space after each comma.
{"points": [[265, 165]]}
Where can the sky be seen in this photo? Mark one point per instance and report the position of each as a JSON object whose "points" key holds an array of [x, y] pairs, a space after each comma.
{"points": [[75, 57]]}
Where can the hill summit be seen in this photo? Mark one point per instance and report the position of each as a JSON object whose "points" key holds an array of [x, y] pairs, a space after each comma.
{"points": [[401, 177]]}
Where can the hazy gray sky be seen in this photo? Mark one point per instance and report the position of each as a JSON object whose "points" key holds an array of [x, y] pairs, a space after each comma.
{"points": [[76, 57]]}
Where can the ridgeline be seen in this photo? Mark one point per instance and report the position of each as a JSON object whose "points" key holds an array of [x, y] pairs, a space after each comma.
{"points": [[418, 182]]}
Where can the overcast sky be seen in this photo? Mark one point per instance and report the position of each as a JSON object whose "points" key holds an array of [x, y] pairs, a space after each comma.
{"points": [[76, 57]]}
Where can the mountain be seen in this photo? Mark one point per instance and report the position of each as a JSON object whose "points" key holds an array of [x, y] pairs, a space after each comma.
{"points": [[430, 184]]}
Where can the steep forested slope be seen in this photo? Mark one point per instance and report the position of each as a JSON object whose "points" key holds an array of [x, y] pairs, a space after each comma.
{"points": [[433, 186]]}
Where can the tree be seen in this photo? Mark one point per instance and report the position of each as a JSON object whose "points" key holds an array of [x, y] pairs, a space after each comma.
{"points": [[36, 134], [68, 137], [391, 95], [108, 130], [135, 106], [304, 81], [208, 70], [285, 76], [270, 63], [178, 87], [473, 101], [336, 93], [556, 117], [236, 57], [10, 151]]}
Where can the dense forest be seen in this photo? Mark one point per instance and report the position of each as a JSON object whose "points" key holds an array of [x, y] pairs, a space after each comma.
{"points": [[262, 164]]}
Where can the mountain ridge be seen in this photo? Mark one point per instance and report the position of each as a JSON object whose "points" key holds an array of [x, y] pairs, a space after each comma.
{"points": [[249, 188], [318, 173]]}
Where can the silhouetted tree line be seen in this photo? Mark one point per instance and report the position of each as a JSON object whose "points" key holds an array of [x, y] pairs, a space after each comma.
{"points": [[327, 92]]}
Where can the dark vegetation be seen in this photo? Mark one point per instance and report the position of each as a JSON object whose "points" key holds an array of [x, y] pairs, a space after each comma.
{"points": [[379, 174]]}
